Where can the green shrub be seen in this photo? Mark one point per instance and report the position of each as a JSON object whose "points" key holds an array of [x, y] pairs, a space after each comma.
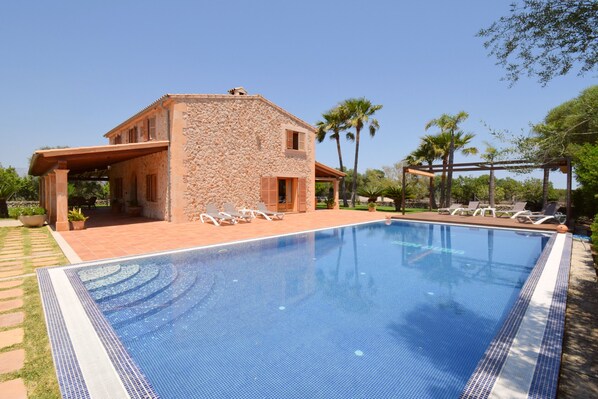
{"points": [[595, 232], [26, 211]]}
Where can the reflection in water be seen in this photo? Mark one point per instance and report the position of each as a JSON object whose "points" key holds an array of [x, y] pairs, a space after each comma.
{"points": [[348, 293]]}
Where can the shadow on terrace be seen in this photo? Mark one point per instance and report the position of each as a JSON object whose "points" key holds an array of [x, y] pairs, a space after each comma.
{"points": [[104, 216]]}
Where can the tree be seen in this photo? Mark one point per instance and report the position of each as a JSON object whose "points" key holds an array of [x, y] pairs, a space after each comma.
{"points": [[442, 144], [360, 113], [28, 189], [371, 192], [491, 155], [565, 127], [545, 38], [427, 152], [449, 124], [586, 172], [10, 182], [395, 193], [335, 122]]}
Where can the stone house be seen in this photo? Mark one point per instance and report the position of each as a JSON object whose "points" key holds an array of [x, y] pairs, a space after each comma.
{"points": [[184, 151]]}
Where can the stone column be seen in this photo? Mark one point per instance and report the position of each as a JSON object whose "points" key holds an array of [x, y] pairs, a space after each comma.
{"points": [[51, 195], [61, 199], [336, 193]]}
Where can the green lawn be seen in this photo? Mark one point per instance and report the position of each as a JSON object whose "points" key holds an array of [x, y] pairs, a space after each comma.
{"points": [[392, 209]]}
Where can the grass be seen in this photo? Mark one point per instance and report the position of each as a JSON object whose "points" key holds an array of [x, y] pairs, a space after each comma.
{"points": [[38, 372], [378, 208]]}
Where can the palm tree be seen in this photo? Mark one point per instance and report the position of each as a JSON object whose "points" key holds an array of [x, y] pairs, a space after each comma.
{"points": [[335, 122], [449, 124], [442, 142], [360, 112], [491, 155], [426, 152]]}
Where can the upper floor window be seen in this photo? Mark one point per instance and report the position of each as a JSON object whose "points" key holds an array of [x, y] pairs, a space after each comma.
{"points": [[295, 140], [151, 128], [118, 139], [133, 135]]}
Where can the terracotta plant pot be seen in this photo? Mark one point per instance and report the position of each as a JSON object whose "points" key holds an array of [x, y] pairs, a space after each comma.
{"points": [[77, 224], [371, 209], [33, 220]]}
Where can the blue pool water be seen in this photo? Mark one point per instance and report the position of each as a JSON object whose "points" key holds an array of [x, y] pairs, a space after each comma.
{"points": [[370, 311]]}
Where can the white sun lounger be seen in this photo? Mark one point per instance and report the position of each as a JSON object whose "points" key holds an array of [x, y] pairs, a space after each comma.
{"points": [[548, 214], [230, 210], [471, 208], [517, 209], [266, 213], [215, 216], [450, 209]]}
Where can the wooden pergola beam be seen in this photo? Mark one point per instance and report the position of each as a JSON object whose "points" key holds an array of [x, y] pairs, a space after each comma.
{"points": [[428, 170]]}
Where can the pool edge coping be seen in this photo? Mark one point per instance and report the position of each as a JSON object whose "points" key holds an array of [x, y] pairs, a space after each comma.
{"points": [[544, 379]]}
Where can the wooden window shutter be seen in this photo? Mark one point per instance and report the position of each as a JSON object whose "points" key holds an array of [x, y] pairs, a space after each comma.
{"points": [[289, 139], [301, 142], [302, 194], [269, 192]]}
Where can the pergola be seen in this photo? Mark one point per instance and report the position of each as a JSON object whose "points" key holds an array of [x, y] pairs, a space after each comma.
{"points": [[564, 164]]}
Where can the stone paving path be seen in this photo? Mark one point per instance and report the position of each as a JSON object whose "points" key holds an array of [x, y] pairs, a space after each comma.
{"points": [[21, 251], [579, 369]]}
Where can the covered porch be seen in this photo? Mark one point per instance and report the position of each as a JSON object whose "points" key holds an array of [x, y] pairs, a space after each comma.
{"points": [[57, 166], [330, 175]]}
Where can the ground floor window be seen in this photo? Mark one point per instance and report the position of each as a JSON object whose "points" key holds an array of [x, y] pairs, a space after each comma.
{"points": [[151, 188]]}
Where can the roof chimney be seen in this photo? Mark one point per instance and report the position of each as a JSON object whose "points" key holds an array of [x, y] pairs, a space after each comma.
{"points": [[238, 91]]}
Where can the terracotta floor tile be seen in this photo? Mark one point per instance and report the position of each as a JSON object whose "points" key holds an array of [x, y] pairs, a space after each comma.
{"points": [[12, 361], [11, 337], [12, 293], [13, 389], [11, 319], [10, 284], [11, 304]]}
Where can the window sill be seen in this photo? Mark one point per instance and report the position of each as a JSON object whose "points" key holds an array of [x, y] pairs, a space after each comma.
{"points": [[295, 153]]}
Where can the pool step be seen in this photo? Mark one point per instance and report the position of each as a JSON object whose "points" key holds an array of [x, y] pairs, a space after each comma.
{"points": [[179, 287], [147, 274], [163, 280], [95, 273], [125, 272], [156, 317]]}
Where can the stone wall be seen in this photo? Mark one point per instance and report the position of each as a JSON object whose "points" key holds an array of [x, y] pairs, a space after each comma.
{"points": [[141, 124], [229, 144], [141, 167]]}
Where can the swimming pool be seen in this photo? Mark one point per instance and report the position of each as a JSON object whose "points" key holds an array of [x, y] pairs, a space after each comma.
{"points": [[372, 310]]}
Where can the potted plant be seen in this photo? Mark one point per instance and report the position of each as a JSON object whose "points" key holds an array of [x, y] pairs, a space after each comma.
{"points": [[32, 216], [77, 219], [134, 208], [330, 203], [371, 207]]}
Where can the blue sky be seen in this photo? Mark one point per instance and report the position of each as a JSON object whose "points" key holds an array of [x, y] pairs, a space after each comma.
{"points": [[71, 71]]}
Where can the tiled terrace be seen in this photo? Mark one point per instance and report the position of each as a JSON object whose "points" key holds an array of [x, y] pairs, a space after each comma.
{"points": [[109, 236]]}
